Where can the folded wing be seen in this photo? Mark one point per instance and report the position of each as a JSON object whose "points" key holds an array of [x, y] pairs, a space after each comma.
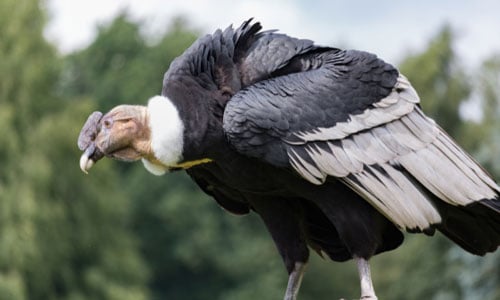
{"points": [[355, 118]]}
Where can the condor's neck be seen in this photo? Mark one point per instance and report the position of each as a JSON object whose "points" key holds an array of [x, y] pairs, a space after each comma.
{"points": [[201, 115]]}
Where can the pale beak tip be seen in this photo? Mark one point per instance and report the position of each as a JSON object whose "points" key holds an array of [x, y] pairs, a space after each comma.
{"points": [[86, 163]]}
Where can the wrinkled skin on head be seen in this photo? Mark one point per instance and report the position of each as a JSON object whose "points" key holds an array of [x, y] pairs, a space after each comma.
{"points": [[123, 134]]}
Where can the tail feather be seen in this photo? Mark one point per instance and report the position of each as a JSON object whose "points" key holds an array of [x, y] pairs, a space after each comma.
{"points": [[474, 227]]}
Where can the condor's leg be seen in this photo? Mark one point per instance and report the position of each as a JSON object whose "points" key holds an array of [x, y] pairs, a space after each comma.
{"points": [[367, 291], [362, 229], [283, 221], [294, 280]]}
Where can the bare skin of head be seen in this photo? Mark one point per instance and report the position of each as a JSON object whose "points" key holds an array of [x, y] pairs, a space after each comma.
{"points": [[122, 134]]}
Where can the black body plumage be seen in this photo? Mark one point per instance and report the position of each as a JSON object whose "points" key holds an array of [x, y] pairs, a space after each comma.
{"points": [[321, 143]]}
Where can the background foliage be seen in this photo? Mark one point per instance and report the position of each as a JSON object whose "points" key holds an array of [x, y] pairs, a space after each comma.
{"points": [[122, 233]]}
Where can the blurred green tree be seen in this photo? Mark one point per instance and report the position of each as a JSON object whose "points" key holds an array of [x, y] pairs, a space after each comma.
{"points": [[62, 236], [489, 93], [119, 66], [483, 279], [440, 81]]}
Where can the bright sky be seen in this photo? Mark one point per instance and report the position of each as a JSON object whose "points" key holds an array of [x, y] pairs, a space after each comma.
{"points": [[387, 28]]}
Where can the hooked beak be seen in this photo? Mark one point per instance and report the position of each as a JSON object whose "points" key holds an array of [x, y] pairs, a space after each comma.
{"points": [[89, 157], [85, 162]]}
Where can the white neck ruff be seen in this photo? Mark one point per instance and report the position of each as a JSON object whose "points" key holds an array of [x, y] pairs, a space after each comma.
{"points": [[167, 134]]}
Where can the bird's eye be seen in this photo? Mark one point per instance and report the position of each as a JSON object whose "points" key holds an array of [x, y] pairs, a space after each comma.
{"points": [[107, 123]]}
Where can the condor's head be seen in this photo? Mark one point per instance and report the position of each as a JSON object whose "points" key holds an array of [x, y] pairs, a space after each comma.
{"points": [[153, 134]]}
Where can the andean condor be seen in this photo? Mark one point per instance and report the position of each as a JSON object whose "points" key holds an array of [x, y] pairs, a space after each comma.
{"points": [[330, 147]]}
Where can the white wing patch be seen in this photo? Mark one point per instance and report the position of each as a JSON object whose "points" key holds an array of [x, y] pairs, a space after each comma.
{"points": [[449, 173], [400, 101], [367, 161], [394, 194], [388, 157]]}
